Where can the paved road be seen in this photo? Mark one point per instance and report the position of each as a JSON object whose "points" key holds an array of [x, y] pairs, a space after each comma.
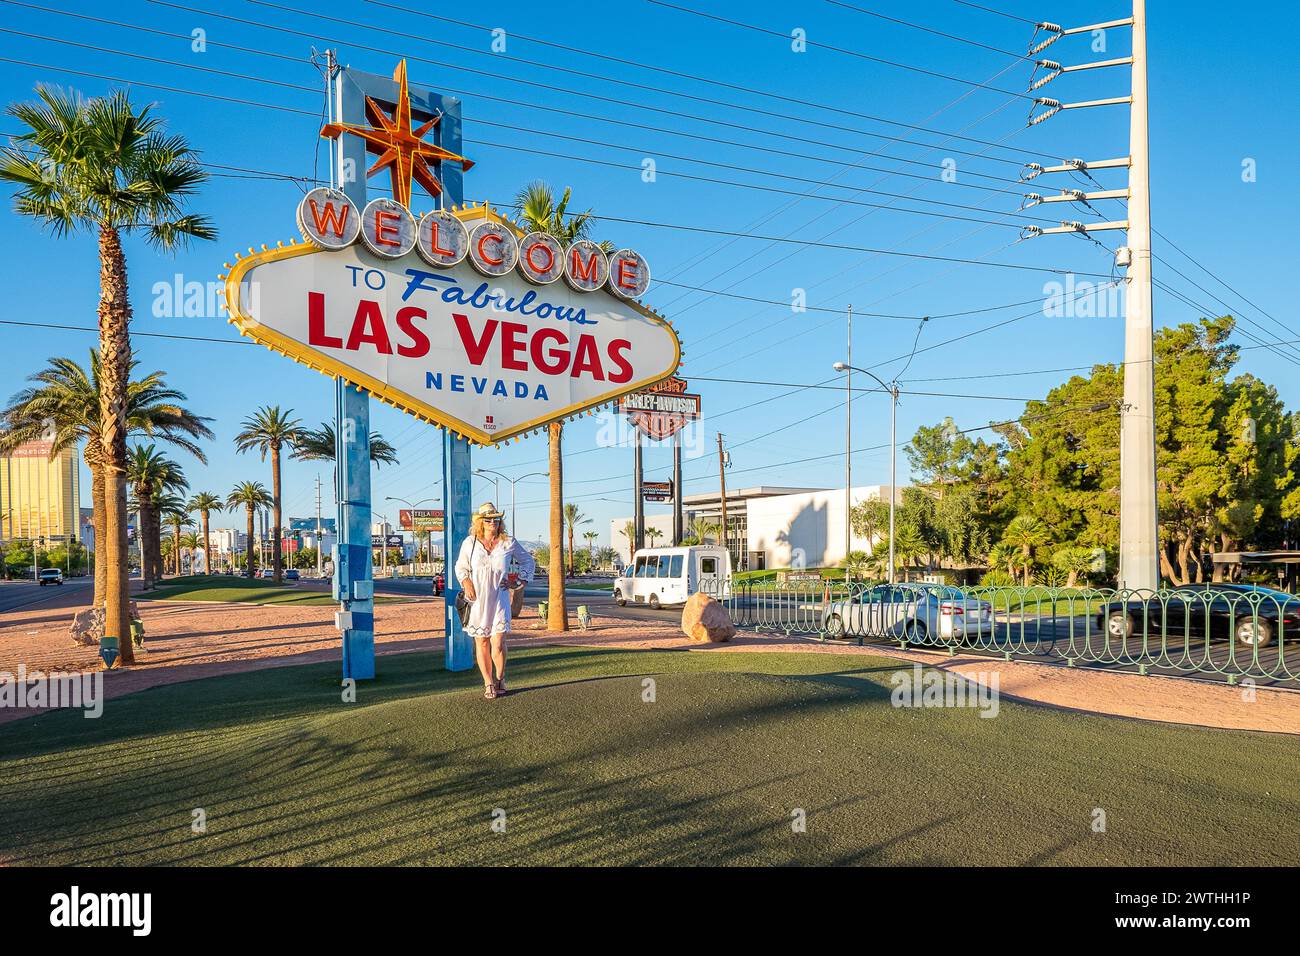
{"points": [[15, 595], [600, 603]]}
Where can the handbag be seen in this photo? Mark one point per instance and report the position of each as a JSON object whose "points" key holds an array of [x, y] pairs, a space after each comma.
{"points": [[463, 604]]}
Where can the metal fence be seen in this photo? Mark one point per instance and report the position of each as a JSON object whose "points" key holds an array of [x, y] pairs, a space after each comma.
{"points": [[1224, 631]]}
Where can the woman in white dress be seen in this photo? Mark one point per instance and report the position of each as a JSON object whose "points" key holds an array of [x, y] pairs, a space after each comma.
{"points": [[491, 566]]}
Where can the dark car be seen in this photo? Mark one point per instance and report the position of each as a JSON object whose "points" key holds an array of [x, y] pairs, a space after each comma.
{"points": [[1250, 615], [291, 574], [438, 583]]}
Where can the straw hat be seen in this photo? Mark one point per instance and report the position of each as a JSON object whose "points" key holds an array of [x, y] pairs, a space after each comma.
{"points": [[488, 510]]}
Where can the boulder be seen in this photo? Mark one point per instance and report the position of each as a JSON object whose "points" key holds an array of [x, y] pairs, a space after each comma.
{"points": [[88, 625], [705, 621]]}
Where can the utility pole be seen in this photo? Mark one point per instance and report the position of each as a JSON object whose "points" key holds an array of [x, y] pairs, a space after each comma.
{"points": [[1139, 515], [638, 497], [848, 442], [678, 530], [319, 559], [1138, 536], [722, 485]]}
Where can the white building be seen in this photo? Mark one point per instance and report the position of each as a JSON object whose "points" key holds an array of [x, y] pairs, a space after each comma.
{"points": [[780, 527]]}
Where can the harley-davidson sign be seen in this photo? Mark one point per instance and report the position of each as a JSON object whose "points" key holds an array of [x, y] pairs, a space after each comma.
{"points": [[458, 318], [663, 410]]}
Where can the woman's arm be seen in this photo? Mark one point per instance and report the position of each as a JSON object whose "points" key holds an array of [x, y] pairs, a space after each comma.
{"points": [[527, 566], [465, 568]]}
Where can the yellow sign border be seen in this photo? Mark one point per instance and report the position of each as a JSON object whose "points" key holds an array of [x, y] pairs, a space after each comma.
{"points": [[326, 365]]}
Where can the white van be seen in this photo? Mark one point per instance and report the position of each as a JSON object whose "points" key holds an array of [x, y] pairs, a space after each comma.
{"points": [[659, 576]]}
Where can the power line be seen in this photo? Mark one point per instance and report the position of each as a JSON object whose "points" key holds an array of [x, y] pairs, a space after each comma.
{"points": [[498, 75], [1009, 16], [767, 94], [835, 49], [917, 26], [609, 163]]}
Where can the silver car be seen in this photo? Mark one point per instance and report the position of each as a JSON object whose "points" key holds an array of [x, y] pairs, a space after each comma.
{"points": [[915, 612]]}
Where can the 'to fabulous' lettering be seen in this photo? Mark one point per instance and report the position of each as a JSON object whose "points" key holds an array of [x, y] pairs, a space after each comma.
{"points": [[332, 221]]}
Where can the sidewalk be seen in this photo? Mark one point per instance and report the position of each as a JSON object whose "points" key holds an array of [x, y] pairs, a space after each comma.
{"points": [[187, 641]]}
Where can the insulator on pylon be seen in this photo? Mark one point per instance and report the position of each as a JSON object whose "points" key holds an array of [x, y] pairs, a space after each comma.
{"points": [[1031, 171]]}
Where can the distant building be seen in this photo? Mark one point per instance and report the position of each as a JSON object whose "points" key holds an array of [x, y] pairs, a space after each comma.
{"points": [[40, 496], [768, 527]]}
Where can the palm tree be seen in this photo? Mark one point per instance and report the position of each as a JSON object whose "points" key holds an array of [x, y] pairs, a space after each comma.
{"points": [[104, 166], [653, 534], [204, 503], [318, 445], [270, 430], [150, 473], [572, 518], [591, 537], [1026, 533], [251, 495], [701, 529], [537, 211], [63, 406], [171, 509], [190, 542], [1003, 555]]}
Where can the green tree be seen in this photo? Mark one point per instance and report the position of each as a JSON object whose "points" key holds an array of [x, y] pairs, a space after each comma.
{"points": [[572, 518], [150, 473], [105, 166], [318, 445], [270, 431], [63, 405], [1026, 533], [203, 504], [249, 495]]}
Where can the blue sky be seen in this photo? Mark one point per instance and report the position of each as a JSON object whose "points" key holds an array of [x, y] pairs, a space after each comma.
{"points": [[1222, 92]]}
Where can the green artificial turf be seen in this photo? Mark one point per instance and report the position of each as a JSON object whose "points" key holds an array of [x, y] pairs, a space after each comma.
{"points": [[586, 770], [224, 589]]}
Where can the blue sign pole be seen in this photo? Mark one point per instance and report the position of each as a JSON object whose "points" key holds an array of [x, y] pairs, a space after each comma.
{"points": [[353, 567], [457, 471]]}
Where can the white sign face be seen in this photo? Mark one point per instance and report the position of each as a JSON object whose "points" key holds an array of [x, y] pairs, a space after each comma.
{"points": [[488, 357]]}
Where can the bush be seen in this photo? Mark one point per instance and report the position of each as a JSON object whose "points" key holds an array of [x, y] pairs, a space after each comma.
{"points": [[997, 578]]}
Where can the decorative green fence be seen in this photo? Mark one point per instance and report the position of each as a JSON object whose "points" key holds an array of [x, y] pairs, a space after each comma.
{"points": [[1233, 632]]}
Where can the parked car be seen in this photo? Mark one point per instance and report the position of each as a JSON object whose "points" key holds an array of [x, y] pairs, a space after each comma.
{"points": [[1248, 614], [913, 611], [439, 582], [660, 576], [50, 576], [266, 573], [291, 574]]}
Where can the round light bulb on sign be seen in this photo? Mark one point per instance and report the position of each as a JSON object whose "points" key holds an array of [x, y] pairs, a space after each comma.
{"points": [[493, 249], [387, 228], [541, 258], [585, 266], [629, 275], [443, 240], [328, 219]]}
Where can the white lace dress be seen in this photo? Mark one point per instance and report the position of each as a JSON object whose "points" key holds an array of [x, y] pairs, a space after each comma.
{"points": [[490, 612]]}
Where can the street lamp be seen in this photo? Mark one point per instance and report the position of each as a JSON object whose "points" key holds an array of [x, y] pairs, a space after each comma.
{"points": [[892, 389], [513, 482]]}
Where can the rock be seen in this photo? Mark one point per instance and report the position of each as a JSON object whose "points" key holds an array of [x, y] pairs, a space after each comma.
{"points": [[88, 625], [705, 621]]}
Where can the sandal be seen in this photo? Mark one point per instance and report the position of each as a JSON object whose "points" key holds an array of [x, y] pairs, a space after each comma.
{"points": [[490, 691], [501, 688]]}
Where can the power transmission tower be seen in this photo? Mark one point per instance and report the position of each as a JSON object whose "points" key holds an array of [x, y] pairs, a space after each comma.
{"points": [[1139, 534]]}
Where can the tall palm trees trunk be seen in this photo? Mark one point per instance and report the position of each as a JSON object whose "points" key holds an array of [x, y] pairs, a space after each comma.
{"points": [[176, 548], [249, 553], [557, 614], [207, 550], [145, 539], [115, 366], [276, 557], [93, 456]]}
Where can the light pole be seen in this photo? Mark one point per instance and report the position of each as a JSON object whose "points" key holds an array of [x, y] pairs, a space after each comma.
{"points": [[513, 482], [892, 389]]}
